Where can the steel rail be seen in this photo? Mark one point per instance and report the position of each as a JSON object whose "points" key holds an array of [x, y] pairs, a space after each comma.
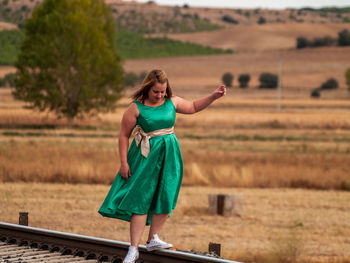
{"points": [[101, 249]]}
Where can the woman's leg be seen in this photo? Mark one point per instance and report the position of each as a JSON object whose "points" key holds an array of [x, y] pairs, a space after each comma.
{"points": [[137, 225], [157, 223]]}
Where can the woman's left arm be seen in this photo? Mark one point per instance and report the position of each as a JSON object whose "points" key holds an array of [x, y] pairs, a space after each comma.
{"points": [[190, 107]]}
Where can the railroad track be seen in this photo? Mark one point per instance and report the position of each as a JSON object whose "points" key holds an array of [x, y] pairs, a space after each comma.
{"points": [[29, 244]]}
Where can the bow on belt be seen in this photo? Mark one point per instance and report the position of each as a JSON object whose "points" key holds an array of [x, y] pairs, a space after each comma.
{"points": [[143, 137]]}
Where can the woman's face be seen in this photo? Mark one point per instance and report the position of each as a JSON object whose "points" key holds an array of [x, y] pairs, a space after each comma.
{"points": [[157, 93]]}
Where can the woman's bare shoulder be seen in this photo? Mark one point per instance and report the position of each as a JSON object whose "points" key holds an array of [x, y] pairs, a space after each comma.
{"points": [[132, 109]]}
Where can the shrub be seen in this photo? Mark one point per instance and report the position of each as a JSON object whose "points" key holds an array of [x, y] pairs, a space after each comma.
{"points": [[330, 84], [186, 6], [347, 78], [142, 76], [302, 42], [229, 19], [261, 20], [130, 79], [316, 93], [323, 41], [344, 38], [244, 80], [227, 79], [268, 81]]}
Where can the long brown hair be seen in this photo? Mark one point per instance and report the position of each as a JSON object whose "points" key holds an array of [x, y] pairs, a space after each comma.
{"points": [[150, 80]]}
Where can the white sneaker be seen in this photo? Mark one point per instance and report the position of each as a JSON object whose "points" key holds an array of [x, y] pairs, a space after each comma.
{"points": [[156, 243], [132, 256]]}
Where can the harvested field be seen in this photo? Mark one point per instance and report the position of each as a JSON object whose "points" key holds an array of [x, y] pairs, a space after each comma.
{"points": [[258, 38], [277, 225]]}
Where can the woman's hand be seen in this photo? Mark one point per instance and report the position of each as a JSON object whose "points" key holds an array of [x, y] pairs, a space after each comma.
{"points": [[219, 92], [124, 171]]}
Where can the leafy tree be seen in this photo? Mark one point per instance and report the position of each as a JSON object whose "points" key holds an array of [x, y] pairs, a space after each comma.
{"points": [[347, 78], [344, 38], [227, 79], [142, 76], [262, 20], [130, 79], [302, 42], [68, 62], [316, 93], [243, 80], [229, 19], [7, 80], [330, 84], [268, 81]]}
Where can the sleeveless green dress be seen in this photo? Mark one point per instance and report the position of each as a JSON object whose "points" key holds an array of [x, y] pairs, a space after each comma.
{"points": [[155, 181]]}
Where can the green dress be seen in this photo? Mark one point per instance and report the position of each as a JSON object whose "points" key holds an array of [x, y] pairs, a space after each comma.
{"points": [[155, 181]]}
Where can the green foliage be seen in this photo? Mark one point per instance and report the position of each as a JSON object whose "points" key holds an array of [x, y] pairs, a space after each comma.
{"points": [[132, 45], [330, 84], [10, 42], [347, 78], [68, 62], [261, 20], [344, 38], [268, 81], [302, 42], [316, 93], [229, 19], [227, 79], [243, 80], [7, 80], [131, 79]]}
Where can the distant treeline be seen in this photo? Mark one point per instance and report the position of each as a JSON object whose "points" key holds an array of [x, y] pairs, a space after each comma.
{"points": [[342, 40], [328, 9], [130, 45]]}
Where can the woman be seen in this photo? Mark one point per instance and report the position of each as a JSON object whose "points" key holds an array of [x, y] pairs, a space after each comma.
{"points": [[146, 189]]}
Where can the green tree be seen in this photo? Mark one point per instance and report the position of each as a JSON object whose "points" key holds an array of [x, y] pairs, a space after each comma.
{"points": [[344, 38], [227, 79], [243, 80], [302, 42], [68, 62], [268, 81], [130, 79], [330, 84], [347, 78]]}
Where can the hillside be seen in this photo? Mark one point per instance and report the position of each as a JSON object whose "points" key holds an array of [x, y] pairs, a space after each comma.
{"points": [[265, 37], [153, 18]]}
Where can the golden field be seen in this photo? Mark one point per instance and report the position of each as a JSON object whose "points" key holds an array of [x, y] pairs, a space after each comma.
{"points": [[236, 142], [277, 225]]}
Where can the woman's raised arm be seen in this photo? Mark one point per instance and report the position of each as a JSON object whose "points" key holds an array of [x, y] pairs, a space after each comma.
{"points": [[190, 107]]}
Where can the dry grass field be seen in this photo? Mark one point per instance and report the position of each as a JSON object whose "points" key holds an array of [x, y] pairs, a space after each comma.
{"points": [[236, 142], [277, 225], [256, 38]]}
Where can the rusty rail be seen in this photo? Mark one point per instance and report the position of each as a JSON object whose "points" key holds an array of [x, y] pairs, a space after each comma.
{"points": [[91, 248]]}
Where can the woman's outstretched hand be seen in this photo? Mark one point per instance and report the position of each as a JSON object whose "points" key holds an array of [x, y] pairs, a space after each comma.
{"points": [[219, 92]]}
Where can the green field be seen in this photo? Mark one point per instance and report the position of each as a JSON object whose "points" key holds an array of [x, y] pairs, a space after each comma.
{"points": [[130, 45]]}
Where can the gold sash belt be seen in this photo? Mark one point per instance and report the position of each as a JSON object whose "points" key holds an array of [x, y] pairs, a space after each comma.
{"points": [[143, 137]]}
